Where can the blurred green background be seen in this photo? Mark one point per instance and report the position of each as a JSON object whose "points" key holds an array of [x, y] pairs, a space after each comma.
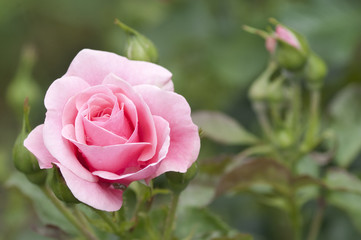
{"points": [[213, 62]]}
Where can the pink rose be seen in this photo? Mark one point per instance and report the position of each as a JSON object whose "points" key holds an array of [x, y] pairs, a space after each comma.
{"points": [[113, 120], [282, 34]]}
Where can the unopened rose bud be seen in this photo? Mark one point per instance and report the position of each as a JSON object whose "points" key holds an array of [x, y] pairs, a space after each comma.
{"points": [[290, 57], [139, 47], [284, 138], [60, 189], [38, 177], [24, 160], [291, 50], [179, 181], [287, 36], [23, 84], [315, 71]]}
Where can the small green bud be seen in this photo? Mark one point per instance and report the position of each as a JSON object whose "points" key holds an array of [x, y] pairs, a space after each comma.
{"points": [[38, 178], [315, 71], [24, 160], [60, 189], [139, 47], [179, 181], [284, 138], [23, 85]]}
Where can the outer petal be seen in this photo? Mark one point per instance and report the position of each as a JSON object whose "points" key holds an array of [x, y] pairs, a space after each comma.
{"points": [[98, 195], [35, 144], [184, 138], [55, 99], [93, 66]]}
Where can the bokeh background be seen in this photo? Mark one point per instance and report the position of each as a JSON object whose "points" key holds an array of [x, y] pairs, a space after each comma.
{"points": [[201, 42]]}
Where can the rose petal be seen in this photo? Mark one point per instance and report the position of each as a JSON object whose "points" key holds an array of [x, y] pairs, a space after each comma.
{"points": [[135, 174], [61, 90], [132, 116], [78, 102], [287, 36], [35, 144], [184, 138], [118, 124], [93, 66], [55, 99], [98, 195], [113, 158], [146, 128], [99, 136]]}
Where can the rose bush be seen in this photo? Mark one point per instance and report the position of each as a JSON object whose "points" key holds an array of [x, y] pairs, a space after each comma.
{"points": [[112, 120]]}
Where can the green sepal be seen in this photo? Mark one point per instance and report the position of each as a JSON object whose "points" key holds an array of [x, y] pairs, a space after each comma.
{"points": [[24, 160], [38, 178], [177, 181], [59, 187]]}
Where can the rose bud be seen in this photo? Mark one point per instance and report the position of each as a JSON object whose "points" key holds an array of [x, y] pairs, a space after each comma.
{"points": [[177, 181], [139, 47], [292, 50], [24, 160], [38, 178], [60, 189], [315, 71], [23, 83]]}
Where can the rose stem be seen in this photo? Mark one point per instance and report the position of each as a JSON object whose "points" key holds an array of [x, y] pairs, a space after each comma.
{"points": [[106, 218], [83, 218], [170, 217], [317, 220], [61, 207]]}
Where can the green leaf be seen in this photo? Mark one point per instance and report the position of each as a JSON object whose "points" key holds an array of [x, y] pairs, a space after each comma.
{"points": [[254, 172], [239, 236], [149, 225], [45, 209], [341, 180], [269, 180], [346, 122], [215, 165], [196, 195], [200, 223], [345, 193], [222, 128], [348, 202]]}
